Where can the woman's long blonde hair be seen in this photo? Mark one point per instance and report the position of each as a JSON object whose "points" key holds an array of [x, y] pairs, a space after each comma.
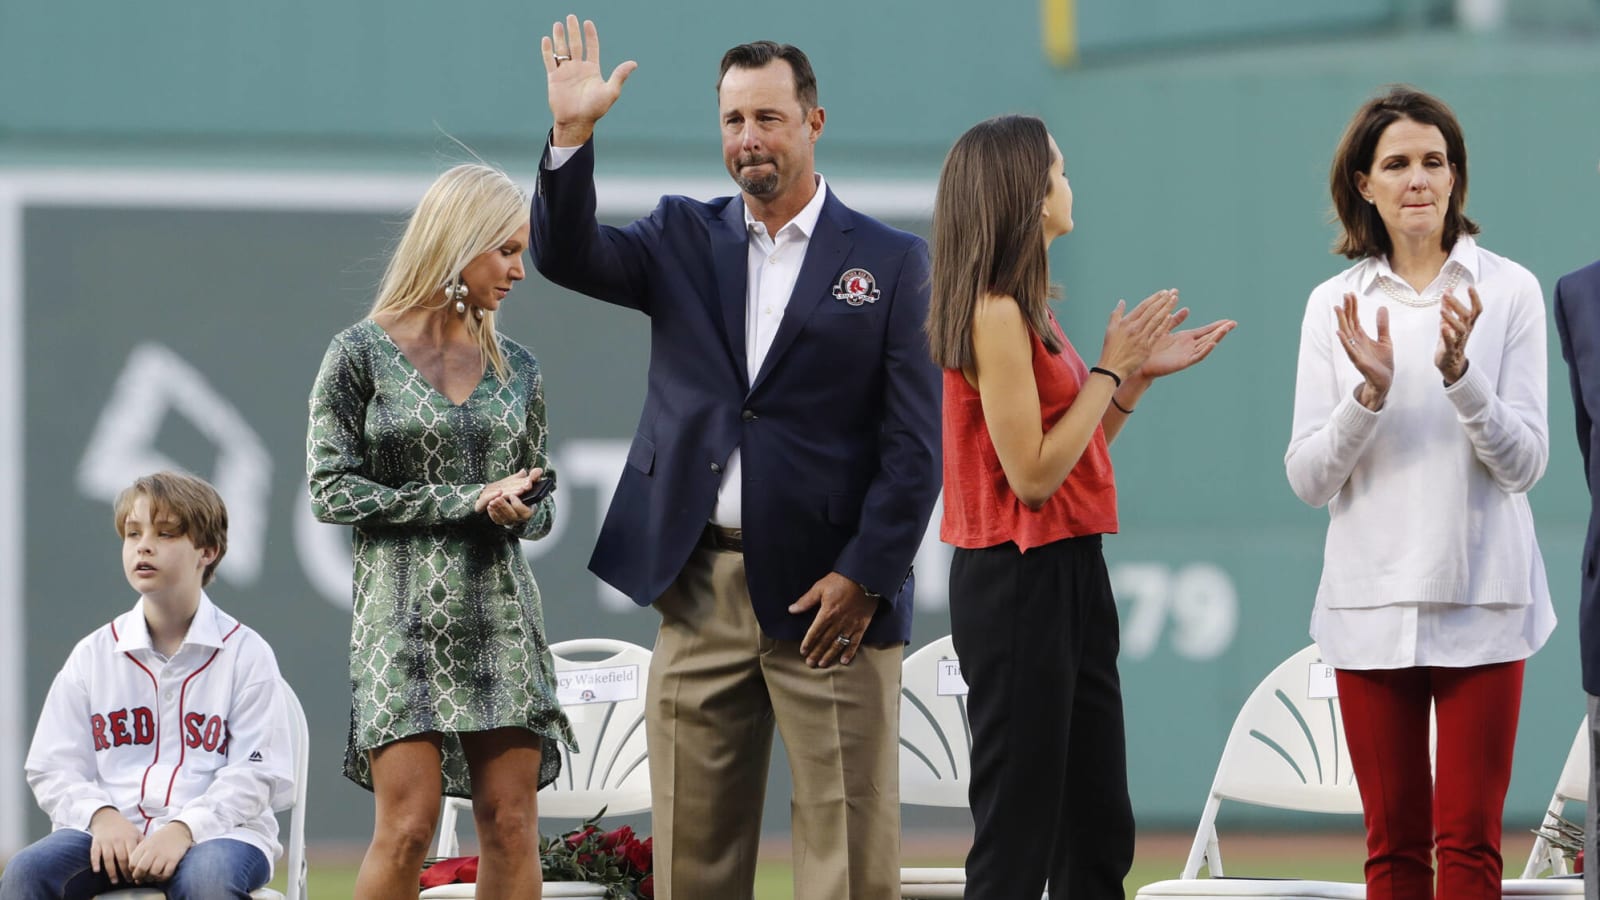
{"points": [[468, 211]]}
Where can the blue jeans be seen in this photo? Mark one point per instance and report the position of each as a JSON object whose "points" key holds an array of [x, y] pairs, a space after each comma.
{"points": [[57, 868]]}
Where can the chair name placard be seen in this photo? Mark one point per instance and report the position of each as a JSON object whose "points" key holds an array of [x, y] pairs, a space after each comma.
{"points": [[950, 683], [1320, 683], [604, 685]]}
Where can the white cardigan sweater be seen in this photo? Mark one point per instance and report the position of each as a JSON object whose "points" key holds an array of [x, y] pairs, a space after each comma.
{"points": [[1431, 558]]}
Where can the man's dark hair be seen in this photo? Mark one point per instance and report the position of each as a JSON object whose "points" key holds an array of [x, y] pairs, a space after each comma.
{"points": [[757, 54]]}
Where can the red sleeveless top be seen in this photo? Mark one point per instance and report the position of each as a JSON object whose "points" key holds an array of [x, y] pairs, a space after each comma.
{"points": [[980, 509]]}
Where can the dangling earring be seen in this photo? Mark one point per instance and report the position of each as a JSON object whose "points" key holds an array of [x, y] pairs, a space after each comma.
{"points": [[456, 291]]}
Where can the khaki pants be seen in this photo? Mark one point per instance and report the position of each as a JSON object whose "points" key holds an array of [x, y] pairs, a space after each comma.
{"points": [[717, 684]]}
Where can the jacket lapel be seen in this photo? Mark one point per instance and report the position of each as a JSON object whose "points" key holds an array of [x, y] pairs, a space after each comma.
{"points": [[824, 254], [730, 258]]}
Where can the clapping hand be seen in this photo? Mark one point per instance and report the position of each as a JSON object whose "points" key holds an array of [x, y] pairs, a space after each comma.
{"points": [[1132, 336], [1455, 326], [579, 94], [1373, 358], [1178, 350]]}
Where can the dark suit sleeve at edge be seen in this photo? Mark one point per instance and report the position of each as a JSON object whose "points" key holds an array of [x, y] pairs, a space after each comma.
{"points": [[894, 513], [1580, 413]]}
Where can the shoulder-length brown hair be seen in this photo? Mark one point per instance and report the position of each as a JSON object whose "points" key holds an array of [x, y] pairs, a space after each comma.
{"points": [[1364, 233], [988, 236]]}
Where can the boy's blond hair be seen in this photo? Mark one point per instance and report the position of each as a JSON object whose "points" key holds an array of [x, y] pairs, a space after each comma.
{"points": [[191, 503]]}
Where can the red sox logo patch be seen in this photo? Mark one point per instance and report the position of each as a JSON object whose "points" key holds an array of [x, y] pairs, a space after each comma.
{"points": [[855, 287]]}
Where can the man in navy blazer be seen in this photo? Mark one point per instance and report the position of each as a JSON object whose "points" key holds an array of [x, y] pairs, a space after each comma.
{"points": [[779, 483], [1578, 324]]}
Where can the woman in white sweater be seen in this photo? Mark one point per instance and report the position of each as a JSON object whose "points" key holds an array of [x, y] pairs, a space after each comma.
{"points": [[1419, 420]]}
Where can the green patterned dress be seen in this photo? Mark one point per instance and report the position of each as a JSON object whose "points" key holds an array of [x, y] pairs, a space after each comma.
{"points": [[448, 631]]}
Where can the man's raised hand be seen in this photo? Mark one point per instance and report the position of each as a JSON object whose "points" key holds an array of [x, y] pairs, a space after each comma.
{"points": [[579, 96]]}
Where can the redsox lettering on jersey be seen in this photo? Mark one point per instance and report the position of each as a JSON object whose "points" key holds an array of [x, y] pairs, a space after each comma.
{"points": [[138, 726]]}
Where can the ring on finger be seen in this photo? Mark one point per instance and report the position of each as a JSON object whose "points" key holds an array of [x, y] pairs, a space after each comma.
{"points": [[842, 640], [560, 57]]}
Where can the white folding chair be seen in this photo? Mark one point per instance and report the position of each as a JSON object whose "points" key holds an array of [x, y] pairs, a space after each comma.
{"points": [[935, 753], [603, 697], [1546, 860], [295, 870], [1286, 750]]}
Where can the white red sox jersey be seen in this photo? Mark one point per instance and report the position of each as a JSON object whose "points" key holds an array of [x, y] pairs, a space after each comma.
{"points": [[202, 738]]}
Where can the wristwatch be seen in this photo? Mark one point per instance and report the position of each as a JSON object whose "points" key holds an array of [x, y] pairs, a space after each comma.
{"points": [[872, 595]]}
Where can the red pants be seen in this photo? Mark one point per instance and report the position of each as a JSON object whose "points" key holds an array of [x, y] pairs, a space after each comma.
{"points": [[1413, 812]]}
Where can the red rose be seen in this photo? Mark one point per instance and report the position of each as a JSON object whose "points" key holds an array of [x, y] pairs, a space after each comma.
{"points": [[638, 855], [578, 837], [620, 835], [647, 887]]}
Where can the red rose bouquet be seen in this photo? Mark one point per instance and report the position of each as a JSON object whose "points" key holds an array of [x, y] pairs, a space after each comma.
{"points": [[616, 859]]}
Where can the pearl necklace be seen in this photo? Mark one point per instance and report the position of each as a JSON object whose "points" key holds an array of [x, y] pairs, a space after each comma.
{"points": [[1412, 298]]}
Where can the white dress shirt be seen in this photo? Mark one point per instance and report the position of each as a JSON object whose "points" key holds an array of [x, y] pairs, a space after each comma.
{"points": [[773, 266], [1431, 558], [202, 737]]}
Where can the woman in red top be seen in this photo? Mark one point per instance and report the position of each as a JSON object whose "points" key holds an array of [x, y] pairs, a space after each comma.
{"points": [[1028, 491]]}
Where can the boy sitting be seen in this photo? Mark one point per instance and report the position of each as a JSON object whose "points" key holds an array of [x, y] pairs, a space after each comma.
{"points": [[164, 741]]}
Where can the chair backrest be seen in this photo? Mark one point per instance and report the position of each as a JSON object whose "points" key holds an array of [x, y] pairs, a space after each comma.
{"points": [[603, 697], [1572, 785], [1286, 750], [935, 734], [600, 685], [295, 871]]}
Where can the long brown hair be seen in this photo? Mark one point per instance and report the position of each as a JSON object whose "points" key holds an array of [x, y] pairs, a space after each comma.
{"points": [[1364, 233], [988, 237]]}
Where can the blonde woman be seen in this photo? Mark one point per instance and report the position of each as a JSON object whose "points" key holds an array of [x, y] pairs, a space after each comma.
{"points": [[427, 428]]}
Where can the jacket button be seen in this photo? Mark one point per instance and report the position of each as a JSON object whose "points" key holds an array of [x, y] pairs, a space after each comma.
{"points": [[748, 415], [716, 467]]}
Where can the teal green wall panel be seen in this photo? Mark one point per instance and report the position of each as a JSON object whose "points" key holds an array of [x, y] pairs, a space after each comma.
{"points": [[1134, 26], [306, 78]]}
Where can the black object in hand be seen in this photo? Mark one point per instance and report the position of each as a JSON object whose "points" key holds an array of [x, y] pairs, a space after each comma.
{"points": [[541, 489]]}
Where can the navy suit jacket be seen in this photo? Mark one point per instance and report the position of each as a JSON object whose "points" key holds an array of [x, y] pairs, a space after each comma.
{"points": [[838, 434], [1578, 324]]}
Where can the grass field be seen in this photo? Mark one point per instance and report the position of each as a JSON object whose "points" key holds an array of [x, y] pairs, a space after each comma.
{"points": [[1334, 857]]}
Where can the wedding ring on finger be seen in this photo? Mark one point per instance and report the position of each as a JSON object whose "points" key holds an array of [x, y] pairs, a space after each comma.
{"points": [[842, 640], [560, 57]]}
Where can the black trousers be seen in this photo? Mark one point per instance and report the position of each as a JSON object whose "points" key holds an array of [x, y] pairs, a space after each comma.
{"points": [[1037, 636]]}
